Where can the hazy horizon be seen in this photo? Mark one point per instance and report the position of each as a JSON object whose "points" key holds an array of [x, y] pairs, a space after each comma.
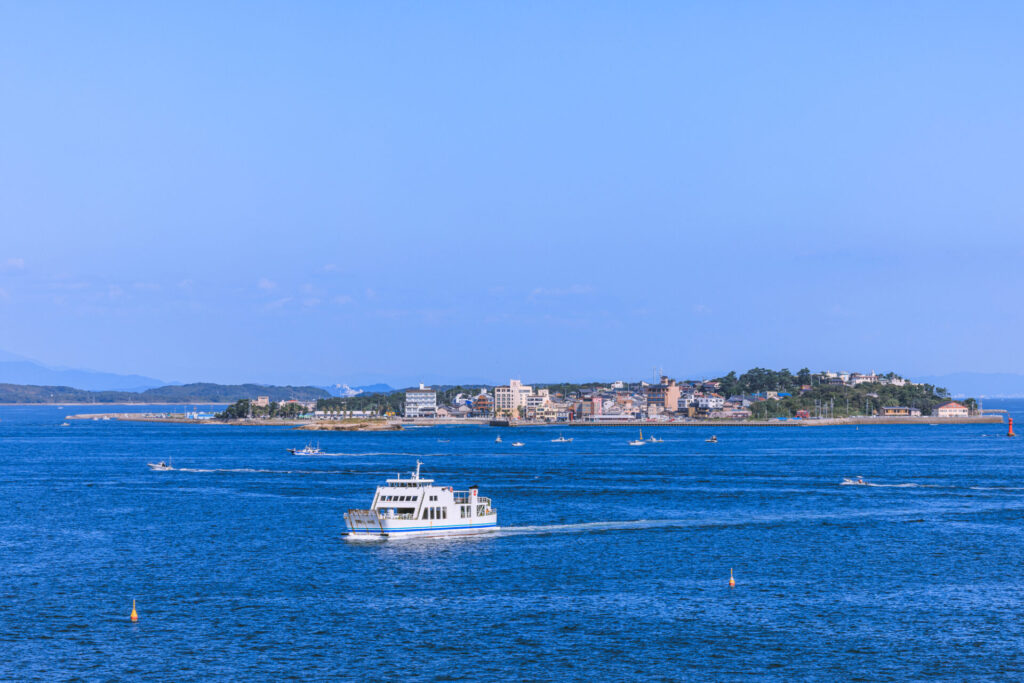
{"points": [[363, 193]]}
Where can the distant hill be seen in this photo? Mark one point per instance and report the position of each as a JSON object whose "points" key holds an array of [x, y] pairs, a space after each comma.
{"points": [[16, 369], [184, 393]]}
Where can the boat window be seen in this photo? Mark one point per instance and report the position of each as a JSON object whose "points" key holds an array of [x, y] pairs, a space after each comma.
{"points": [[424, 513], [444, 513]]}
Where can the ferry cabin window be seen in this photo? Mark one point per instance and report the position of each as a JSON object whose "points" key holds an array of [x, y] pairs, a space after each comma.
{"points": [[444, 513], [424, 513]]}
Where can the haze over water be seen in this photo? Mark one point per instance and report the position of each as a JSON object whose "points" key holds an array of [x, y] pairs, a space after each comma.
{"points": [[613, 561]]}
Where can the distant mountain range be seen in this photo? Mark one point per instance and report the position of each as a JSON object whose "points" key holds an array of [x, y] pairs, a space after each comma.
{"points": [[16, 369], [181, 393]]}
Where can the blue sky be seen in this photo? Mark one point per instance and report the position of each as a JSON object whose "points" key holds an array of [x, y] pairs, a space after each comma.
{"points": [[353, 192]]}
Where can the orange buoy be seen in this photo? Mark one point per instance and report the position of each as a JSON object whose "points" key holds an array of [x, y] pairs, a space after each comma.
{"points": [[732, 581], [1009, 432], [135, 615]]}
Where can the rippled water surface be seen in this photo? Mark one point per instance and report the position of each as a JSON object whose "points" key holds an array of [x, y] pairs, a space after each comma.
{"points": [[613, 561]]}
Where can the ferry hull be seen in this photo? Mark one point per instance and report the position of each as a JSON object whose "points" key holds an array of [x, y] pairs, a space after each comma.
{"points": [[368, 534]]}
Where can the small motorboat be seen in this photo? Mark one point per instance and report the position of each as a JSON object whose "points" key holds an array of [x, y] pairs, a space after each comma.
{"points": [[444, 440], [711, 439], [640, 441], [561, 439], [309, 449], [159, 466], [517, 444], [65, 424], [654, 439], [498, 439], [859, 481]]}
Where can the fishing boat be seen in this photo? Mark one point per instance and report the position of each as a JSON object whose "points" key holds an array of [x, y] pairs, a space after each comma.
{"points": [[416, 507], [654, 439], [859, 481], [308, 449], [517, 444], [159, 466], [640, 441], [711, 439], [561, 439]]}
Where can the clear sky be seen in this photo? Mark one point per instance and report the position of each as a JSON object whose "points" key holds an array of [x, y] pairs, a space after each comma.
{"points": [[354, 192]]}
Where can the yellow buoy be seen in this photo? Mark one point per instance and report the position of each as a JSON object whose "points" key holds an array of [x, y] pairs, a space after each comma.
{"points": [[732, 581], [135, 615]]}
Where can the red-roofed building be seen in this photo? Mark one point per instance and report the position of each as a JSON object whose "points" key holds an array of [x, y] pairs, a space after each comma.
{"points": [[952, 409]]}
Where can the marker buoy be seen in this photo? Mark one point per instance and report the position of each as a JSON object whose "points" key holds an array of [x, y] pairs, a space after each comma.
{"points": [[135, 615], [732, 581], [1009, 432]]}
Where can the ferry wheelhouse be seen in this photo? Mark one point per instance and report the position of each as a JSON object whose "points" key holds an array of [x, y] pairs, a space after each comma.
{"points": [[416, 507]]}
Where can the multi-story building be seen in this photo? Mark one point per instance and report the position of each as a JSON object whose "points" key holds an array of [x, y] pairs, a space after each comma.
{"points": [[510, 398], [711, 402], [663, 397], [483, 405], [421, 402], [537, 404]]}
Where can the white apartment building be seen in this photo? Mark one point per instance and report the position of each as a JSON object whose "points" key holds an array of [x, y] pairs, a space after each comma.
{"points": [[421, 402], [711, 402], [510, 398]]}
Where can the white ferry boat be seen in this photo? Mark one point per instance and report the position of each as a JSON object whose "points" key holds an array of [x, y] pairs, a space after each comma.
{"points": [[416, 507]]}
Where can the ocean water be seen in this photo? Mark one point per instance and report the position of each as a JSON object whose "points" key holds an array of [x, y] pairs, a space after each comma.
{"points": [[613, 562]]}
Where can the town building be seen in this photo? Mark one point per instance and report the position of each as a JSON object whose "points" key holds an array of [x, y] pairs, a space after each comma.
{"points": [[483, 405], [508, 399], [262, 401], [711, 402], [421, 402], [900, 411], [663, 397], [952, 409]]}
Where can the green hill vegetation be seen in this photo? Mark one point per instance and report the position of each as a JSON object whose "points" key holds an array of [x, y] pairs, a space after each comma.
{"points": [[240, 410], [809, 392]]}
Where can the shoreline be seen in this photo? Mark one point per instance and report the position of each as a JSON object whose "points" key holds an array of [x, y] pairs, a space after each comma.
{"points": [[399, 425]]}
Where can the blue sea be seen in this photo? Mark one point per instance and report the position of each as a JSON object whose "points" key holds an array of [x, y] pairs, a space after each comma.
{"points": [[613, 562]]}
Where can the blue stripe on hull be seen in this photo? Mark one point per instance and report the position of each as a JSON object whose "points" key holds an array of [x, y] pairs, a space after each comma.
{"points": [[421, 528]]}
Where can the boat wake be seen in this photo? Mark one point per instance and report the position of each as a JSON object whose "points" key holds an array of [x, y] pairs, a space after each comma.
{"points": [[909, 485], [350, 455], [595, 526], [996, 488], [254, 470]]}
